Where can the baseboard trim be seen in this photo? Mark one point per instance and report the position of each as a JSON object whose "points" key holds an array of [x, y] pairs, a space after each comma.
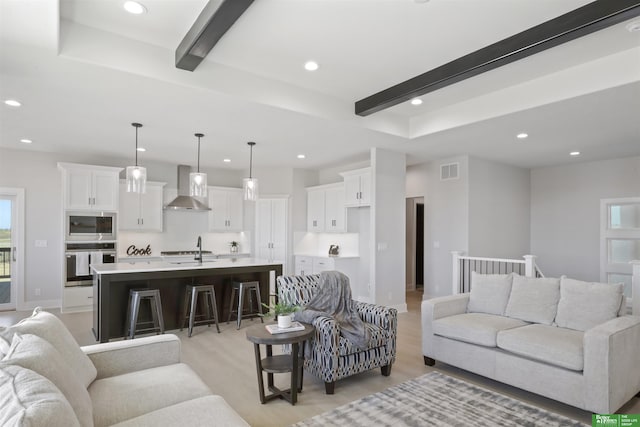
{"points": [[30, 305], [402, 308]]}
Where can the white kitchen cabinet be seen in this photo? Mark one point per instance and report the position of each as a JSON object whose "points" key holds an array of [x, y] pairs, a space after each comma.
{"points": [[77, 298], [321, 264], [304, 265], [271, 229], [89, 187], [325, 208], [141, 211], [357, 187], [226, 209]]}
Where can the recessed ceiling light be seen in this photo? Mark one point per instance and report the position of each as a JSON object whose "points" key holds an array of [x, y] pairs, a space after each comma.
{"points": [[26, 141], [416, 101], [301, 156], [632, 27], [311, 65], [227, 160], [141, 149], [574, 153], [12, 103], [522, 135], [134, 7]]}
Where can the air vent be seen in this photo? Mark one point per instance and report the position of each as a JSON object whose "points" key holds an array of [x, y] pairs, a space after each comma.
{"points": [[449, 171]]}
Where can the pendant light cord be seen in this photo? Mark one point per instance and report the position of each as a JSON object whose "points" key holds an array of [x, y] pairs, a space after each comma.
{"points": [[136, 146], [198, 154], [250, 161]]}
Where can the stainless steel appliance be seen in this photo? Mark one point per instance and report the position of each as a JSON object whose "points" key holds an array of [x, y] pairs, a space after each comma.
{"points": [[84, 226], [79, 256]]}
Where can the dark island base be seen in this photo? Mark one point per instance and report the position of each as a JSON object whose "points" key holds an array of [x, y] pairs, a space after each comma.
{"points": [[111, 295]]}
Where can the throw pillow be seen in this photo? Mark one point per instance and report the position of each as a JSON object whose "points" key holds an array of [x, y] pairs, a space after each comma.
{"points": [[584, 305], [534, 299], [489, 293], [49, 327], [29, 399], [32, 352]]}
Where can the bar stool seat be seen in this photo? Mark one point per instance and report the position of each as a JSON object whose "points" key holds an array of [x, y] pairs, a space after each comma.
{"points": [[136, 296], [191, 303], [239, 288]]}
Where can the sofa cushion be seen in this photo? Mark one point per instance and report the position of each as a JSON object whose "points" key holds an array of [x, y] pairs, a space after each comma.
{"points": [[378, 337], [29, 399], [201, 412], [556, 346], [119, 398], [47, 326], [32, 352], [533, 299], [584, 305], [489, 293], [474, 328]]}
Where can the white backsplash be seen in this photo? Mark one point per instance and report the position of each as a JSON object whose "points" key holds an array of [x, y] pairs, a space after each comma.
{"points": [[305, 243]]}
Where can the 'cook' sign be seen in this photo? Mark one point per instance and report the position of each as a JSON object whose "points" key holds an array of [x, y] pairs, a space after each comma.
{"points": [[132, 250]]}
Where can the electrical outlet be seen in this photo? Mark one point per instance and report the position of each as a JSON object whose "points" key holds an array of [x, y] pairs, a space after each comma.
{"points": [[41, 243], [37, 292]]}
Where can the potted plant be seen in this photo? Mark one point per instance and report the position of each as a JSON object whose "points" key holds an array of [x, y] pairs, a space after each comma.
{"points": [[283, 312], [234, 246]]}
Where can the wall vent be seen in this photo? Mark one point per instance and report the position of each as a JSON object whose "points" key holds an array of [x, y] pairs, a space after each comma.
{"points": [[449, 171]]}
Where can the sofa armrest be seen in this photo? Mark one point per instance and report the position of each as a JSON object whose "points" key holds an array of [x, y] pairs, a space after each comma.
{"points": [[436, 308], [121, 357], [611, 363]]}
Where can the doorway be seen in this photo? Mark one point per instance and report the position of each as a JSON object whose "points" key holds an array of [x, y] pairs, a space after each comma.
{"points": [[11, 205], [415, 243]]}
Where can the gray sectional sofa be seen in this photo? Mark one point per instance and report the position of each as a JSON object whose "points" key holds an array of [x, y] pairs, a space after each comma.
{"points": [[564, 339], [46, 379]]}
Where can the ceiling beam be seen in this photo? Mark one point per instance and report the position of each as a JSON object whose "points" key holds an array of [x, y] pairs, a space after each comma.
{"points": [[587, 19], [214, 21]]}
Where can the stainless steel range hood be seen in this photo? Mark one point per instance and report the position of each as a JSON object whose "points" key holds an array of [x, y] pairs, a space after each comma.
{"points": [[185, 202]]}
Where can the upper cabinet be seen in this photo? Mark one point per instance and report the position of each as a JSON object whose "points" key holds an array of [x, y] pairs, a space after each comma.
{"points": [[89, 188], [357, 187], [141, 211], [325, 208], [226, 209]]}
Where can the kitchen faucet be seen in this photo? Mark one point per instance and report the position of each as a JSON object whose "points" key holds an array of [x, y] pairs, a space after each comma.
{"points": [[198, 256]]}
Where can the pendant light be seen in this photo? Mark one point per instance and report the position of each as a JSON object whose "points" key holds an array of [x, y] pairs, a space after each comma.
{"points": [[250, 185], [197, 180], [136, 175]]}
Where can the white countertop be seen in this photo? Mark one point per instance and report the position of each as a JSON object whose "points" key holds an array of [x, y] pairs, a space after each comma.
{"points": [[329, 256], [150, 266]]}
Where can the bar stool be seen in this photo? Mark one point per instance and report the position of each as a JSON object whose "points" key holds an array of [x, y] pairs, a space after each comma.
{"points": [[136, 296], [240, 287], [191, 294]]}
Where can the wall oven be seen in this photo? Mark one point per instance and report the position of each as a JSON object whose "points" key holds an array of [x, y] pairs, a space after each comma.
{"points": [[79, 256], [85, 226]]}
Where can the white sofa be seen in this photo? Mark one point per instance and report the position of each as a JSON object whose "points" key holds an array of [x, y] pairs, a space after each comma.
{"points": [[46, 379], [561, 338]]}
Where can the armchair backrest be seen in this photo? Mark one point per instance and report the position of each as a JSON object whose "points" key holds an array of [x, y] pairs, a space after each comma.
{"points": [[297, 290]]}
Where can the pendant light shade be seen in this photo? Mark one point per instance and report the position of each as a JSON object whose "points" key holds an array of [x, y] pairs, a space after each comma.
{"points": [[136, 175], [250, 185], [197, 180]]}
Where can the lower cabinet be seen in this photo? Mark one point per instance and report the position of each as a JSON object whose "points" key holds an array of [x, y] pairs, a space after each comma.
{"points": [[78, 298], [305, 265]]}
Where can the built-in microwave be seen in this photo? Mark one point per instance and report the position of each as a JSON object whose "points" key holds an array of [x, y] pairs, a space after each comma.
{"points": [[90, 226]]}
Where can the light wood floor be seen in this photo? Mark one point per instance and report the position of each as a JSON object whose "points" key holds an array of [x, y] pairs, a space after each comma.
{"points": [[226, 363]]}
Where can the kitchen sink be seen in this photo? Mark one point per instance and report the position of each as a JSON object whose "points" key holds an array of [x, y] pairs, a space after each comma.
{"points": [[192, 262]]}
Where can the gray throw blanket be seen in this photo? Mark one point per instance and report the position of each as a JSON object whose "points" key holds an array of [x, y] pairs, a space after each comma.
{"points": [[334, 300]]}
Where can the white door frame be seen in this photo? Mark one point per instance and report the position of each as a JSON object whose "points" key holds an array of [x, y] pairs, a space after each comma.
{"points": [[17, 240]]}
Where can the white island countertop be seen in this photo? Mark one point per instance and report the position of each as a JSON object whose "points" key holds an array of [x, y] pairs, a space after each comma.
{"points": [[151, 266]]}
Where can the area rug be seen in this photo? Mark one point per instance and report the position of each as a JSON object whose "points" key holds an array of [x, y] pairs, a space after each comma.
{"points": [[435, 399]]}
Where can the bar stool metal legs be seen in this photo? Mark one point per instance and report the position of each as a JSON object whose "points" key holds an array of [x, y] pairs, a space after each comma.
{"points": [[133, 308], [191, 303], [239, 288]]}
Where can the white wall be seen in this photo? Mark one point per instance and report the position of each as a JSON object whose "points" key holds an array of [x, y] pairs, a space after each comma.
{"points": [[388, 224], [447, 224], [499, 208], [565, 213], [332, 175]]}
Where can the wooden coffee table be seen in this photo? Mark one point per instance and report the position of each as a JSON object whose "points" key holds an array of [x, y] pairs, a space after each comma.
{"points": [[281, 363]]}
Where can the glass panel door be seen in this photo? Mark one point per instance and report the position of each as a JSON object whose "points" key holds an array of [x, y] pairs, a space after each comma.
{"points": [[7, 243]]}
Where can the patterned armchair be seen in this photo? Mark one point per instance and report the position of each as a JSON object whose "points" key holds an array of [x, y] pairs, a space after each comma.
{"points": [[333, 357]]}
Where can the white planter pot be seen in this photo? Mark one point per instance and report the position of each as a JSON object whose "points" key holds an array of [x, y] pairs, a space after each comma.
{"points": [[285, 321]]}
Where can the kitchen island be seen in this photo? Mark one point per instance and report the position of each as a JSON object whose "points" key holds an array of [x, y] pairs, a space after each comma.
{"points": [[112, 283]]}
